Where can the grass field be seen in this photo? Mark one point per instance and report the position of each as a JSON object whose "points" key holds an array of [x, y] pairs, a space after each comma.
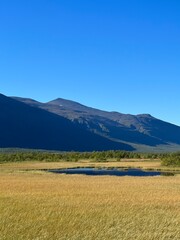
{"points": [[37, 205], [132, 163]]}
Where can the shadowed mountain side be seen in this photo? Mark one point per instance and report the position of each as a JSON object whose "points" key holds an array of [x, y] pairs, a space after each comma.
{"points": [[163, 130], [100, 122], [115, 130], [25, 126], [140, 129], [133, 129]]}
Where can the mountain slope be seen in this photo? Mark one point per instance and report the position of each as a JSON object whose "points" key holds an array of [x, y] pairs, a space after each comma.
{"points": [[25, 126], [144, 126], [140, 129]]}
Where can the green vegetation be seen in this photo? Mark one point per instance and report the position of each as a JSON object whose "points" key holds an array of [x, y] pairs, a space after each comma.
{"points": [[19, 156], [172, 159], [168, 159]]}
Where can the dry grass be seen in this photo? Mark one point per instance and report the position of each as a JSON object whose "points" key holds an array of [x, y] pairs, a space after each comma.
{"points": [[37, 205], [50, 165]]}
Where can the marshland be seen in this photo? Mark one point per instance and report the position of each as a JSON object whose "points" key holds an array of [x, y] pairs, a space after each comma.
{"points": [[36, 204]]}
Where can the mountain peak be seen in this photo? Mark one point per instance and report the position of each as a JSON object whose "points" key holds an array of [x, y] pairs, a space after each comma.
{"points": [[135, 130], [65, 102], [25, 126], [69, 104]]}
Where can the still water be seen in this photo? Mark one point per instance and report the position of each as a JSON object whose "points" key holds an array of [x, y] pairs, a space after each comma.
{"points": [[110, 172]]}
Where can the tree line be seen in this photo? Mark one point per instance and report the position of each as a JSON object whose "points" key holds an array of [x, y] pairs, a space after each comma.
{"points": [[168, 159]]}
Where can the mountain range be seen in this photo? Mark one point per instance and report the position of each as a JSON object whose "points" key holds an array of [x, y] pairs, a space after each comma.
{"points": [[66, 125]]}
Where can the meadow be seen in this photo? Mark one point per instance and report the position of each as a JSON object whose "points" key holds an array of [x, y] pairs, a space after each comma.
{"points": [[38, 205]]}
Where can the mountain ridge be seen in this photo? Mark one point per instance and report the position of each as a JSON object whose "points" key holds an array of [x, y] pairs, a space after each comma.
{"points": [[140, 129], [27, 126]]}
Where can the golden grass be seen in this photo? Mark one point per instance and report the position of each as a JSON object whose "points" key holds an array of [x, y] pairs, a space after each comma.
{"points": [[50, 165], [20, 166], [37, 205]]}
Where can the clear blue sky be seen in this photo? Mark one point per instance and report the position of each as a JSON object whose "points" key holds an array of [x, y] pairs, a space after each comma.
{"points": [[109, 54]]}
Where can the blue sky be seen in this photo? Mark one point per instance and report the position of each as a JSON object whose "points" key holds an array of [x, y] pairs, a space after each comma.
{"points": [[109, 54]]}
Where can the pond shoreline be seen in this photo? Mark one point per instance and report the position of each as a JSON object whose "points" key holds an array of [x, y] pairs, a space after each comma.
{"points": [[92, 171]]}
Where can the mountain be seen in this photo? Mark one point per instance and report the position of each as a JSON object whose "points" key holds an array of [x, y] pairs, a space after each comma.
{"points": [[140, 131], [25, 125]]}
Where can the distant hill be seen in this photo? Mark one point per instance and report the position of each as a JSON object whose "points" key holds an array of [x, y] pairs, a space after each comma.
{"points": [[140, 131], [25, 125]]}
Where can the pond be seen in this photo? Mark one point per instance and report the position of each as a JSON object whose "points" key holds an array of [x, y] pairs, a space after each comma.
{"points": [[110, 172]]}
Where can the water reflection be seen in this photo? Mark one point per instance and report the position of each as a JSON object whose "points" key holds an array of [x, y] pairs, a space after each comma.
{"points": [[110, 172]]}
